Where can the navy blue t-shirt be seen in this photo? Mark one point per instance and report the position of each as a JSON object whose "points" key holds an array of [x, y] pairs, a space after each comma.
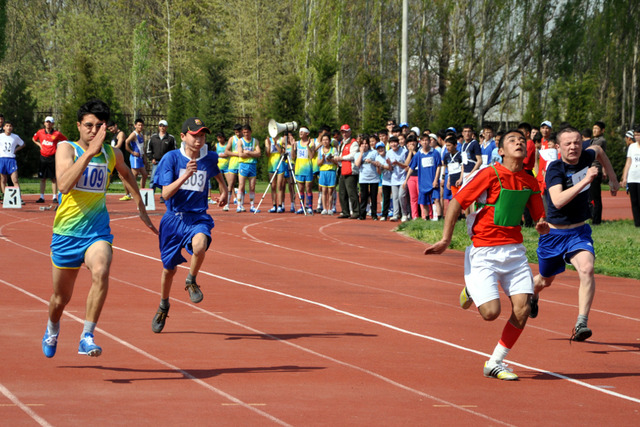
{"points": [[471, 150], [193, 195], [559, 172]]}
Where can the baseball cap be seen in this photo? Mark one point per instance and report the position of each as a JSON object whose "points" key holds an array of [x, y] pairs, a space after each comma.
{"points": [[404, 125], [452, 129], [433, 135], [379, 145], [546, 123], [163, 123], [345, 127], [193, 125], [49, 119], [416, 129], [629, 134]]}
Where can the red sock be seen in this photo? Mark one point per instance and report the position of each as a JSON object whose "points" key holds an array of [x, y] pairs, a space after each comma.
{"points": [[510, 335]]}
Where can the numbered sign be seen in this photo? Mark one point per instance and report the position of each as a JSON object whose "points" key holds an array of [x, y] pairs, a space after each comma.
{"points": [[12, 198], [147, 198]]}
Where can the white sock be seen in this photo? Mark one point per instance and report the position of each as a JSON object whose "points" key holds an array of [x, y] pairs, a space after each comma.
{"points": [[499, 353], [53, 328], [89, 327]]}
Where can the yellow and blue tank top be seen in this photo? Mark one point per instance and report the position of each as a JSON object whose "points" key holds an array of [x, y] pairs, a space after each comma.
{"points": [[249, 146], [326, 165], [303, 161], [234, 161], [83, 210], [274, 154], [314, 161], [223, 162]]}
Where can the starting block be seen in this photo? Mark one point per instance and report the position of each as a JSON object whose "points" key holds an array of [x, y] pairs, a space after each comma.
{"points": [[12, 198]]}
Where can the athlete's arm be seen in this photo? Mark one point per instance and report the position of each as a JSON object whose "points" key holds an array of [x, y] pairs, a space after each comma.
{"points": [[224, 191], [450, 219], [127, 145], [132, 187]]}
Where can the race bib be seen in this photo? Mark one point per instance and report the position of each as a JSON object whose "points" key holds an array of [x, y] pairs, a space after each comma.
{"points": [[485, 159], [549, 155], [465, 158], [579, 176], [427, 162], [196, 182], [302, 153], [94, 178], [454, 168]]}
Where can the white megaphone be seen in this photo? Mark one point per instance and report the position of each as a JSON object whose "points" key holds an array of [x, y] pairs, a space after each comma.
{"points": [[275, 128]]}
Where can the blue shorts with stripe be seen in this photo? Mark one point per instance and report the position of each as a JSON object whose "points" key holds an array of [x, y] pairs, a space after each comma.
{"points": [[327, 179], [177, 230], [556, 248], [67, 252]]}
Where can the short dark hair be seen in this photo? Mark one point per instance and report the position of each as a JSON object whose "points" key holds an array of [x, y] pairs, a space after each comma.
{"points": [[600, 124], [138, 120], [111, 123], [237, 126], [487, 126], [246, 127], [396, 129], [412, 138], [96, 107], [467, 126], [519, 132], [525, 126], [221, 134], [394, 139], [451, 140]]}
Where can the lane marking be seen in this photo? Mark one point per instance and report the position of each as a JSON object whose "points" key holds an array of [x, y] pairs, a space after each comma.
{"points": [[25, 408]]}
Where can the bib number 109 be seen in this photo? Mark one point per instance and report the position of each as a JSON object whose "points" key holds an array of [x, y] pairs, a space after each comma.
{"points": [[93, 178]]}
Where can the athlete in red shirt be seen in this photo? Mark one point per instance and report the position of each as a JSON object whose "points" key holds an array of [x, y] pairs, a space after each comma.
{"points": [[47, 139], [497, 254]]}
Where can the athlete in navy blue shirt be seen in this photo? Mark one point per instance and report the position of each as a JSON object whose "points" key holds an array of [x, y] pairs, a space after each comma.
{"points": [[569, 240], [184, 177]]}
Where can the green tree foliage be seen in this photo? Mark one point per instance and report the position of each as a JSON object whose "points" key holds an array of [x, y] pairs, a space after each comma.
{"points": [[420, 112], [18, 107], [376, 110], [179, 109], [285, 101], [454, 110], [3, 24], [141, 64], [215, 104], [322, 110]]}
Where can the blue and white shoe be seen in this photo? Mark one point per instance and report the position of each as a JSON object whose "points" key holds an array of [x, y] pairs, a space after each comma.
{"points": [[240, 209], [49, 344], [254, 210], [273, 210], [300, 211], [280, 209], [88, 347]]}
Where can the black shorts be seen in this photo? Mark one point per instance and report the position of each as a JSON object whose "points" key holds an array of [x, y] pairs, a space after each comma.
{"points": [[47, 167]]}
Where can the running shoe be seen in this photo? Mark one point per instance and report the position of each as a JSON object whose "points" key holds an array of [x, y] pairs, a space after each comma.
{"points": [[240, 209], [157, 325], [319, 210], [280, 209], [254, 210], [465, 299], [125, 198], [581, 333], [49, 344], [300, 211], [226, 208], [309, 211], [273, 209], [195, 294], [534, 307], [88, 347], [293, 209], [324, 212], [40, 200], [499, 371], [161, 199]]}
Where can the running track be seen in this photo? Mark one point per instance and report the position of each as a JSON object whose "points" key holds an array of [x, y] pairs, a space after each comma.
{"points": [[305, 321]]}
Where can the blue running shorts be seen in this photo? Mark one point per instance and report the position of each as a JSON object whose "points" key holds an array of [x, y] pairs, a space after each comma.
{"points": [[327, 179], [304, 178], [556, 248], [248, 170], [177, 231], [68, 252]]}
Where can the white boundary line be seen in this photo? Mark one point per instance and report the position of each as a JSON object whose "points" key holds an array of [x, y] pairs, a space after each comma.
{"points": [[12, 397]]}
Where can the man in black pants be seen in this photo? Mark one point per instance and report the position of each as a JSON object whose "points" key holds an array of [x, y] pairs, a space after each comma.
{"points": [[348, 184]]}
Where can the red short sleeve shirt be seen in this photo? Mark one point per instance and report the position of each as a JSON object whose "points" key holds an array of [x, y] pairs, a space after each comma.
{"points": [[49, 141], [485, 232]]}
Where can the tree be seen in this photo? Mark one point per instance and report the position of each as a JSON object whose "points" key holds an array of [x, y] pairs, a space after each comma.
{"points": [[322, 110], [454, 109], [215, 106], [376, 110], [18, 107], [178, 109], [141, 64], [285, 101]]}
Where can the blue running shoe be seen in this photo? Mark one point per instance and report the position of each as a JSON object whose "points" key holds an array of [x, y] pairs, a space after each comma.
{"points": [[273, 209], [49, 344], [280, 209], [254, 210], [300, 211], [88, 347]]}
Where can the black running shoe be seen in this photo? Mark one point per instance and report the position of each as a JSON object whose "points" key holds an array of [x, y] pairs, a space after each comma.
{"points": [[194, 291], [534, 307], [159, 320], [581, 333]]}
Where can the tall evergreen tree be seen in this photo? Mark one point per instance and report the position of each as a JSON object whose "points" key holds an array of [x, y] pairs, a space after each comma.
{"points": [[454, 109], [376, 107], [180, 109], [322, 110], [18, 107], [214, 106]]}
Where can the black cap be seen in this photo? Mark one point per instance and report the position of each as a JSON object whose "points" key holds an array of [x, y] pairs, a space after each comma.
{"points": [[194, 125]]}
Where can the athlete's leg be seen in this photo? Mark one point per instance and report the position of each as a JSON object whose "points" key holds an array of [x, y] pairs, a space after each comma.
{"points": [[63, 282], [199, 246], [98, 261], [166, 281], [583, 263]]}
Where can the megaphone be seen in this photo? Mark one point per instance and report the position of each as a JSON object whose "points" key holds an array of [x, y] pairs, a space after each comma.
{"points": [[275, 128]]}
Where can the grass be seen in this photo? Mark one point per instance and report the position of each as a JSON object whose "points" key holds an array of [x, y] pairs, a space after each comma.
{"points": [[617, 244]]}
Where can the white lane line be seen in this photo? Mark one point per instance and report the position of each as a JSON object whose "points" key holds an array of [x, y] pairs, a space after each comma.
{"points": [[397, 329], [157, 360], [25, 408]]}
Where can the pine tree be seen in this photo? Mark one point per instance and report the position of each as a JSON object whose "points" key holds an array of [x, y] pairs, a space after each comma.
{"points": [[454, 109], [178, 109], [18, 107], [322, 111], [376, 107], [214, 108]]}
